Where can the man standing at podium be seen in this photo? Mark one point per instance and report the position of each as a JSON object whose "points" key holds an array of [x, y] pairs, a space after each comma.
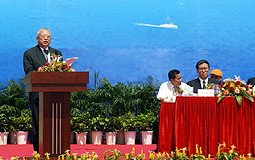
{"points": [[34, 58]]}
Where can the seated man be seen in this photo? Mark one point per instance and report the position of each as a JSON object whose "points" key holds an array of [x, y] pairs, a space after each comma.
{"points": [[251, 81], [216, 74], [202, 81], [170, 89], [168, 92]]}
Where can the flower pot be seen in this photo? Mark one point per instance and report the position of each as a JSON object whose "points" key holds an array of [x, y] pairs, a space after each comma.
{"points": [[147, 137], [22, 137], [130, 137], [72, 141], [120, 138], [13, 137], [90, 137], [110, 138], [97, 137], [81, 138], [3, 138]]}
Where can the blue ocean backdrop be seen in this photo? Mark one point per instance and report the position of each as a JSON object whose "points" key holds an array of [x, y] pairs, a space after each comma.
{"points": [[129, 40]]}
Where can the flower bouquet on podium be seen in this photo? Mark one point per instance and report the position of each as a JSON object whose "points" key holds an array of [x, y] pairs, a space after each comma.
{"points": [[236, 88], [57, 65]]}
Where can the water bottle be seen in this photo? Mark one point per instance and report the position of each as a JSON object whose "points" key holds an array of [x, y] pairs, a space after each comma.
{"points": [[216, 90]]}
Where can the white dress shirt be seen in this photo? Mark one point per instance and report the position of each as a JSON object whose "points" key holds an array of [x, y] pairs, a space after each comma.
{"points": [[166, 91], [201, 82], [47, 56]]}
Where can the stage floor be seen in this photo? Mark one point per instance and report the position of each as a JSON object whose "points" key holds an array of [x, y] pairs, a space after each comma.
{"points": [[7, 151]]}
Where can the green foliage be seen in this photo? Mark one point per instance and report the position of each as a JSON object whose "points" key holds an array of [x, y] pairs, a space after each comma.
{"points": [[197, 157], [226, 153], [112, 124], [75, 112], [80, 123], [104, 100], [180, 154], [13, 94], [116, 100], [145, 121], [96, 123], [129, 122], [9, 110], [112, 154], [21, 123], [4, 123]]}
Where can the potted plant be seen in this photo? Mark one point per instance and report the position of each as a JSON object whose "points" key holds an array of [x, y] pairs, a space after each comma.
{"points": [[120, 138], [112, 124], [145, 126], [79, 126], [4, 127], [22, 125], [96, 126], [129, 122]]}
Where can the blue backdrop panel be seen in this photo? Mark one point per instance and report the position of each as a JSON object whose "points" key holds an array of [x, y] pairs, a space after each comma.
{"points": [[127, 41]]}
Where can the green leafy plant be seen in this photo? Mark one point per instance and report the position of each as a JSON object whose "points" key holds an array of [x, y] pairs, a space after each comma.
{"points": [[21, 123], [9, 110], [198, 155], [96, 123], [112, 154], [112, 124], [145, 121], [116, 100], [178, 154], [13, 98], [129, 122], [226, 153], [4, 123], [79, 123]]}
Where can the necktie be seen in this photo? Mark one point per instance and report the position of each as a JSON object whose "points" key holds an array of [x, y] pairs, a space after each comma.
{"points": [[203, 84], [46, 51], [175, 91], [47, 55]]}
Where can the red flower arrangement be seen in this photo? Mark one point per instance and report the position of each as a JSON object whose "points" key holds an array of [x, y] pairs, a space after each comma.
{"points": [[56, 65], [236, 88]]}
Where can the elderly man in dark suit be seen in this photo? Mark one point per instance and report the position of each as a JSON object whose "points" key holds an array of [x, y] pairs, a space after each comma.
{"points": [[203, 80], [33, 59]]}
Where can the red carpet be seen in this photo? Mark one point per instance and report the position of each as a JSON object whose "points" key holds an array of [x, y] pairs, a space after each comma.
{"points": [[7, 151]]}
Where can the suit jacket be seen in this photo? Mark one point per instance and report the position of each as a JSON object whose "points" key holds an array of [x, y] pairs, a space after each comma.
{"points": [[33, 58], [251, 81], [197, 85]]}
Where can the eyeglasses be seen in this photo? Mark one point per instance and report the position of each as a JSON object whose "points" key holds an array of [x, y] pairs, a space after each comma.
{"points": [[204, 68], [45, 36]]}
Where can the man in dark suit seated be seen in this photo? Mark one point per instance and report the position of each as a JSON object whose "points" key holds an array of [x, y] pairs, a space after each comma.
{"points": [[33, 59], [251, 81], [203, 80]]}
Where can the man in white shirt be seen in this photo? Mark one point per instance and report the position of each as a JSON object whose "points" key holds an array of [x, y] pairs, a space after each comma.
{"points": [[168, 92], [175, 87]]}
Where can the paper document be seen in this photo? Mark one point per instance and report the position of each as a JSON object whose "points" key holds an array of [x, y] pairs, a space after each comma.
{"points": [[69, 61]]}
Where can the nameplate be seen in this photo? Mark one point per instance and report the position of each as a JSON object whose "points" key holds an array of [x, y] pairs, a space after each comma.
{"points": [[205, 92]]}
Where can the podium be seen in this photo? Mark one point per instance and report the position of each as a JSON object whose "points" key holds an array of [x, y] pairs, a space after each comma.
{"points": [[54, 106]]}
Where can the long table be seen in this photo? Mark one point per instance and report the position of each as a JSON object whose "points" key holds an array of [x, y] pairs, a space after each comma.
{"points": [[201, 121]]}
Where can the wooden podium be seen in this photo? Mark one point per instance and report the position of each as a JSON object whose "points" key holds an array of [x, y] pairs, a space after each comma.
{"points": [[54, 106]]}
